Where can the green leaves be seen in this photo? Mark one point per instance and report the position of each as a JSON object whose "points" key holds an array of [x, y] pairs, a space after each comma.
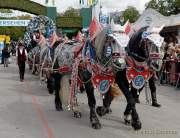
{"points": [[131, 14], [165, 7], [70, 18], [71, 12], [14, 32]]}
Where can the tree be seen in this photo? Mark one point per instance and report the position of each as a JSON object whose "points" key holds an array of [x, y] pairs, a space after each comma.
{"points": [[13, 31], [152, 4], [165, 7], [71, 12], [131, 14]]}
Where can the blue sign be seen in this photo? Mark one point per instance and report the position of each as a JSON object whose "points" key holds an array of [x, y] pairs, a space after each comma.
{"points": [[104, 19], [145, 34], [104, 86], [14, 22], [138, 82]]}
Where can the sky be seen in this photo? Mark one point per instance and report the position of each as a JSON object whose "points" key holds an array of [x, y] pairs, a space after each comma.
{"points": [[110, 5]]}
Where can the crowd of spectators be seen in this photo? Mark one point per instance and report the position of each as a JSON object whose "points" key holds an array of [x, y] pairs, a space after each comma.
{"points": [[171, 63]]}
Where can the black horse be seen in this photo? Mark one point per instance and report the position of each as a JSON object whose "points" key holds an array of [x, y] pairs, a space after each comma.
{"points": [[139, 50]]}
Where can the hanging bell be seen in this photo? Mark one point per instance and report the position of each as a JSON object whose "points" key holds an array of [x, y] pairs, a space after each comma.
{"points": [[103, 96], [138, 92], [130, 87]]}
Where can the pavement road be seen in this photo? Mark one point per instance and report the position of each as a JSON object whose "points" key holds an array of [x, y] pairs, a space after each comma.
{"points": [[27, 111]]}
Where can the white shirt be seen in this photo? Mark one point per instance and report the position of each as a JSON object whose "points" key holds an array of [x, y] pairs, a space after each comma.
{"points": [[21, 50]]}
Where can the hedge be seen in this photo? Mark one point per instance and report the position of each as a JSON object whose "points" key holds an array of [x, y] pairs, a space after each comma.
{"points": [[65, 22], [24, 5]]}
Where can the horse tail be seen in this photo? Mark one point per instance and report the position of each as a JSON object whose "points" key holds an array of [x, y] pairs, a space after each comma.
{"points": [[115, 91]]}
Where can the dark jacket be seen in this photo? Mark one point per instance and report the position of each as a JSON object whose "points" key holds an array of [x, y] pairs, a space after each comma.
{"points": [[5, 53]]}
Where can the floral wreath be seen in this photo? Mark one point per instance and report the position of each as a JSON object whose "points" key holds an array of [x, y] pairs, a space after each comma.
{"points": [[41, 24]]}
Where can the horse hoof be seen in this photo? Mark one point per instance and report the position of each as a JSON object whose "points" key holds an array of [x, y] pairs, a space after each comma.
{"points": [[59, 108], [127, 119], [109, 110], [50, 91], [101, 111], [77, 114], [127, 122], [95, 122], [136, 125], [96, 125]]}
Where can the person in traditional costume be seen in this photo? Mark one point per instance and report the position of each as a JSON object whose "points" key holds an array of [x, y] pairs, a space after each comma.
{"points": [[21, 55]]}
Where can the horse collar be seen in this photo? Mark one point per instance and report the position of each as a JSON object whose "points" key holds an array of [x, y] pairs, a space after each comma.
{"points": [[136, 74]]}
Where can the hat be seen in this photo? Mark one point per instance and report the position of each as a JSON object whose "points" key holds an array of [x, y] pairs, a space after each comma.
{"points": [[20, 43]]}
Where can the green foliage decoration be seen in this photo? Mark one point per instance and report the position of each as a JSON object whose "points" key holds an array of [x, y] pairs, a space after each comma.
{"points": [[63, 22], [24, 5]]}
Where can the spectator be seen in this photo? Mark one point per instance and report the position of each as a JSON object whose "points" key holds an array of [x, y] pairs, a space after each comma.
{"points": [[6, 55]]}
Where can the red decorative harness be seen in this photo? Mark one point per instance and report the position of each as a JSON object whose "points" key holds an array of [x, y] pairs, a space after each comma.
{"points": [[102, 79], [137, 75]]}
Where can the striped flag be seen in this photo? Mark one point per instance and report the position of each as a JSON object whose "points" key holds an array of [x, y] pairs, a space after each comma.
{"points": [[94, 28], [127, 27]]}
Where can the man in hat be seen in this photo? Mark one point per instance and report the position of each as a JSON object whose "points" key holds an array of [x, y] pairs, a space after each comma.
{"points": [[21, 55]]}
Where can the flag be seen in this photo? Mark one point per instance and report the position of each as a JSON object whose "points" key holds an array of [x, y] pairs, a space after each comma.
{"points": [[94, 28], [90, 3], [127, 27]]}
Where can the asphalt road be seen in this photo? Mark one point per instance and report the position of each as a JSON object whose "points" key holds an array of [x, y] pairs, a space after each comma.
{"points": [[27, 111]]}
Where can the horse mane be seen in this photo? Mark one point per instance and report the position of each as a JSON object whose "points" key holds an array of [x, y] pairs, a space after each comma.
{"points": [[136, 38], [100, 41], [135, 43]]}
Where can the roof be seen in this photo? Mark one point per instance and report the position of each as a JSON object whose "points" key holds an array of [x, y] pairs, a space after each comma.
{"points": [[151, 17]]}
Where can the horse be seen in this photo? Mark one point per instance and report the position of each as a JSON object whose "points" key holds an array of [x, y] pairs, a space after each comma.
{"points": [[34, 59], [41, 33], [144, 56]]}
